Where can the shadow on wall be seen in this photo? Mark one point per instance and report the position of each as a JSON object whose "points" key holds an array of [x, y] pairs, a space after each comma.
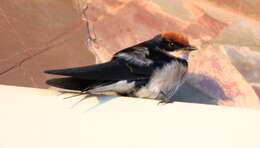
{"points": [[186, 93]]}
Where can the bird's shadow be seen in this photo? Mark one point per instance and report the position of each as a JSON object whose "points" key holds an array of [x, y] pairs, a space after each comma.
{"points": [[82, 96], [101, 100], [191, 94]]}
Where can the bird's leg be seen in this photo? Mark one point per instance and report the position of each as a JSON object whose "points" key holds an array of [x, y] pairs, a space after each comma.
{"points": [[165, 98]]}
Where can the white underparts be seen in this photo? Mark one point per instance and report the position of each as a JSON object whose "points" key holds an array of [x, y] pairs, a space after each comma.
{"points": [[166, 80], [120, 87]]}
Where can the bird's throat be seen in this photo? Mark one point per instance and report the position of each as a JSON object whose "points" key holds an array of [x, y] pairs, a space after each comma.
{"points": [[184, 57]]}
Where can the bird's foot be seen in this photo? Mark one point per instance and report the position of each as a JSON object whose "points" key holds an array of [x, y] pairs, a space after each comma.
{"points": [[165, 101], [164, 98]]}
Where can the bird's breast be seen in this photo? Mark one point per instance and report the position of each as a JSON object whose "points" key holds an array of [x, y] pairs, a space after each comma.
{"points": [[170, 76]]}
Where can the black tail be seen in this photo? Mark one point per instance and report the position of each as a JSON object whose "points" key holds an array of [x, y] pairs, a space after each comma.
{"points": [[77, 84]]}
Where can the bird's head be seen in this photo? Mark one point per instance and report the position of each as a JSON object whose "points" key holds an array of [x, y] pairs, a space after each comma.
{"points": [[171, 41]]}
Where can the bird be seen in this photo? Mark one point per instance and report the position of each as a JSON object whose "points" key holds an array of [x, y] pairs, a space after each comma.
{"points": [[146, 70]]}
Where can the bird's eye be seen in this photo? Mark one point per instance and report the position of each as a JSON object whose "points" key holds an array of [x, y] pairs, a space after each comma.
{"points": [[171, 44]]}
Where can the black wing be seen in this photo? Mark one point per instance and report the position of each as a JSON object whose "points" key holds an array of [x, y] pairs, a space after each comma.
{"points": [[85, 78], [116, 69]]}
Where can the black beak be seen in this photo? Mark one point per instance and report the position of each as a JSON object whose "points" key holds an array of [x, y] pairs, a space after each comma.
{"points": [[191, 48]]}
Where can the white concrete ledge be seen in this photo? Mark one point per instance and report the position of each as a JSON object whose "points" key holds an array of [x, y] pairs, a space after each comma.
{"points": [[31, 118]]}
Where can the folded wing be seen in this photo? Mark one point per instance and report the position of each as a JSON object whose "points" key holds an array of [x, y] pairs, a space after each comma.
{"points": [[113, 70]]}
